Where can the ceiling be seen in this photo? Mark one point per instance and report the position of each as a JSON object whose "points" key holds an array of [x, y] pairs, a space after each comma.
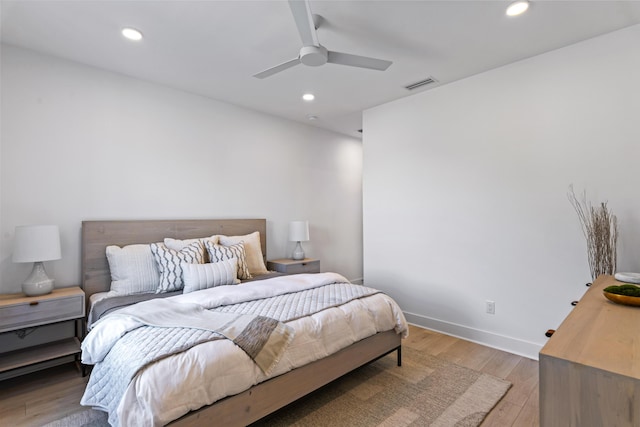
{"points": [[213, 48]]}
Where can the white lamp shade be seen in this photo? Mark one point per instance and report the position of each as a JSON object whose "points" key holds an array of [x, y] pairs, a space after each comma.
{"points": [[35, 243], [299, 231]]}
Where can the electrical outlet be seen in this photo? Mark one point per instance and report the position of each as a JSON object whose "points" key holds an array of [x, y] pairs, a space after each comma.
{"points": [[490, 307]]}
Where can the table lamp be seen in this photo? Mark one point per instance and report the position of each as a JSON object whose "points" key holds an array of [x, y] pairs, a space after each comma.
{"points": [[298, 232], [37, 243]]}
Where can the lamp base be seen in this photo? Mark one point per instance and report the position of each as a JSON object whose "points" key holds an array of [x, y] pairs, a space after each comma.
{"points": [[38, 283], [298, 252]]}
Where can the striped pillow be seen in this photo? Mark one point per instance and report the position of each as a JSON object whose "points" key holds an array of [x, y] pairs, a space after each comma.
{"points": [[133, 270], [204, 276], [170, 262], [219, 253]]}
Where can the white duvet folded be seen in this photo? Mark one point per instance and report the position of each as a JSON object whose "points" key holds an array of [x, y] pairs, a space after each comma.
{"points": [[104, 333]]}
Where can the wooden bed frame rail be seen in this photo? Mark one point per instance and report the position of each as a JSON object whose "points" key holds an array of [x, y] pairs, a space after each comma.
{"points": [[271, 395]]}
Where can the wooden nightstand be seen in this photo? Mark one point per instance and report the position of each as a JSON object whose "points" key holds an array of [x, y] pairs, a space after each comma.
{"points": [[292, 266], [21, 315]]}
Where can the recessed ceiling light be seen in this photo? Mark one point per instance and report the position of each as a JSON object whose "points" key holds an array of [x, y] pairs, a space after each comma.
{"points": [[132, 34], [308, 97], [518, 7]]}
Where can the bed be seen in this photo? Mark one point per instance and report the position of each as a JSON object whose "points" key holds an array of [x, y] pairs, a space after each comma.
{"points": [[272, 391]]}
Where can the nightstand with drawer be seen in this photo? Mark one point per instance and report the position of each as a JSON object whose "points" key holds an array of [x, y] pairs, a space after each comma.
{"points": [[293, 266], [21, 315]]}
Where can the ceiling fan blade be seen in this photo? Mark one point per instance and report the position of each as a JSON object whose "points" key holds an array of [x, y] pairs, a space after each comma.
{"points": [[304, 21], [358, 61], [273, 70]]}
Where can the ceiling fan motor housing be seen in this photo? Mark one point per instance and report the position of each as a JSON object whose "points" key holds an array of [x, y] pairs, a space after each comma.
{"points": [[314, 55]]}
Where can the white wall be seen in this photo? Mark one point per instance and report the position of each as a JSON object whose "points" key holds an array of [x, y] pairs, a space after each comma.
{"points": [[78, 143], [465, 190]]}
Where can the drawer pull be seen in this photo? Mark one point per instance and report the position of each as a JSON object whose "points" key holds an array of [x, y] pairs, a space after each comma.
{"points": [[34, 303]]}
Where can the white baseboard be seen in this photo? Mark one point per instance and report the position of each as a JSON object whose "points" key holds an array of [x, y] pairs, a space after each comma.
{"points": [[359, 281], [490, 339]]}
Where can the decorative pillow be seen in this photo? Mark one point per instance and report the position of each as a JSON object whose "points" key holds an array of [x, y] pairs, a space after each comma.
{"points": [[204, 276], [178, 245], [219, 253], [253, 249], [133, 269], [169, 264]]}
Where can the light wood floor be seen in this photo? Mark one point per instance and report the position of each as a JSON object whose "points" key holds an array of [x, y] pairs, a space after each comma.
{"points": [[519, 407], [45, 396]]}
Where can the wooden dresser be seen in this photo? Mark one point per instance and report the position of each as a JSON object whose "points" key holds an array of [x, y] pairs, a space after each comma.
{"points": [[590, 367]]}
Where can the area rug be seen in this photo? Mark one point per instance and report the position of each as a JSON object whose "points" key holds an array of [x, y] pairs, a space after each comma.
{"points": [[84, 418], [425, 391]]}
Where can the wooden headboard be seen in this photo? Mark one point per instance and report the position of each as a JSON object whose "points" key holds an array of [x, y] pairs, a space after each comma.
{"points": [[97, 235]]}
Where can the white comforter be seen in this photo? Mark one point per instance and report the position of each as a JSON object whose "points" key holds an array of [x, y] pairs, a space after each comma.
{"points": [[171, 387]]}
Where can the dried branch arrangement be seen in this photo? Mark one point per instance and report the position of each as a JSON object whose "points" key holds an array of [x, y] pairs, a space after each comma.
{"points": [[600, 229]]}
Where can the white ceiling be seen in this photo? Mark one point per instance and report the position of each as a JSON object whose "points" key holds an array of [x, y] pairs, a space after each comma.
{"points": [[213, 48]]}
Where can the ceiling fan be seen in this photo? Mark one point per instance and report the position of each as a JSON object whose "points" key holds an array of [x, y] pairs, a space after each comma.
{"points": [[312, 52]]}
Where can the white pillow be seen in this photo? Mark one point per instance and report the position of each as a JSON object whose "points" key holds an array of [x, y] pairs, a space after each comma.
{"points": [[133, 269], [219, 253], [178, 245], [204, 276], [253, 249], [169, 264]]}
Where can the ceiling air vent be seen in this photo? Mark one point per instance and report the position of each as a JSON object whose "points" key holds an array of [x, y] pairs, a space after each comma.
{"points": [[416, 85]]}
